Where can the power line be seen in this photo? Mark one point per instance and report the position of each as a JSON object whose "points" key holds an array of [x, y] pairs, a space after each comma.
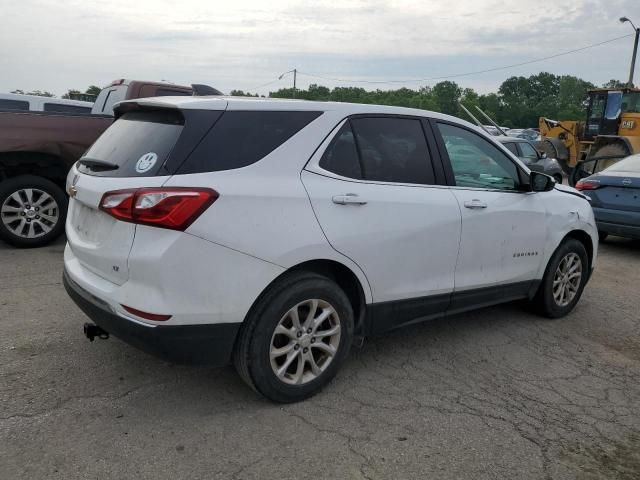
{"points": [[456, 75]]}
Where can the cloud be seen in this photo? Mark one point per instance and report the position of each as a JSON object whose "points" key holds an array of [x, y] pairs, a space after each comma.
{"points": [[243, 44]]}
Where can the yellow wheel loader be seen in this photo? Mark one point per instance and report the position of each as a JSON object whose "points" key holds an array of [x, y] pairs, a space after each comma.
{"points": [[610, 132]]}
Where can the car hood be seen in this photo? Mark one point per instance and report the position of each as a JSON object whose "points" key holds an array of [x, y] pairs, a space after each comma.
{"points": [[570, 190]]}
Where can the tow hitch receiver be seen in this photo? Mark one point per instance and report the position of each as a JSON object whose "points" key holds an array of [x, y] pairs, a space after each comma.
{"points": [[92, 331]]}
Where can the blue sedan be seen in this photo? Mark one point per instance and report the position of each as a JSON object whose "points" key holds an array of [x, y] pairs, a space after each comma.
{"points": [[615, 198]]}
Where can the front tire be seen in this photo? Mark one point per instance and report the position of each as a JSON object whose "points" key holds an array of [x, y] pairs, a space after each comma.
{"points": [[564, 280], [32, 211], [295, 338]]}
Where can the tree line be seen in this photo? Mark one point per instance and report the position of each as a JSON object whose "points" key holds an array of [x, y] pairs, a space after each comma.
{"points": [[519, 101]]}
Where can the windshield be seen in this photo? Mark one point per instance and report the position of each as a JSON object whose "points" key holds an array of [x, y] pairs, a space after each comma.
{"points": [[630, 164], [614, 103]]}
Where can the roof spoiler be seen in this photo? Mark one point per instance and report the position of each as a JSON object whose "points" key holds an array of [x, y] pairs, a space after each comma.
{"points": [[200, 90]]}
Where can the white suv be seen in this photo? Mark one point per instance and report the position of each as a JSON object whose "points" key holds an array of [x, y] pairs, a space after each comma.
{"points": [[271, 233]]}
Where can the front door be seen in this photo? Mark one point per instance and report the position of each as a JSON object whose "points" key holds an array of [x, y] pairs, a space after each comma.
{"points": [[503, 227]]}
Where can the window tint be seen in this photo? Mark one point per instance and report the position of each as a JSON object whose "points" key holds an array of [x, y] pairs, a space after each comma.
{"points": [[239, 139], [476, 162], [60, 107], [528, 151], [6, 104], [132, 136], [512, 148], [164, 92], [341, 157], [393, 150]]}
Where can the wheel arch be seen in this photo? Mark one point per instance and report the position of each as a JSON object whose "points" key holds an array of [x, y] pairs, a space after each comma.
{"points": [[49, 166], [341, 274], [584, 238]]}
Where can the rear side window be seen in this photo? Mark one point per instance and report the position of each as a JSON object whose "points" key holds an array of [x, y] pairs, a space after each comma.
{"points": [[389, 149], [138, 143], [13, 105], [59, 107], [341, 157], [240, 138]]}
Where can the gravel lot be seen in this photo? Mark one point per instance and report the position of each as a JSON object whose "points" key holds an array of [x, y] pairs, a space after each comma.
{"points": [[497, 393]]}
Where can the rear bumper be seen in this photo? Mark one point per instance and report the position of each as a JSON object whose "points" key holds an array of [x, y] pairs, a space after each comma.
{"points": [[618, 222], [210, 344], [628, 231]]}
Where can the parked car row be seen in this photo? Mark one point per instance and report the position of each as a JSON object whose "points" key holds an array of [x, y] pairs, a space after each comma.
{"points": [[273, 233], [40, 138]]}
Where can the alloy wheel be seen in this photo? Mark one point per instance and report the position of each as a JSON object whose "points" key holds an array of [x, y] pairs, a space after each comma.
{"points": [[566, 280], [304, 342], [29, 213]]}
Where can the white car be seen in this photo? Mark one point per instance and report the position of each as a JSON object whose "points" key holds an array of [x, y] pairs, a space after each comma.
{"points": [[272, 233]]}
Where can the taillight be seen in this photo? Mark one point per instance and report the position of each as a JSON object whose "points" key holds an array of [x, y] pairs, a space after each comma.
{"points": [[588, 184], [175, 208]]}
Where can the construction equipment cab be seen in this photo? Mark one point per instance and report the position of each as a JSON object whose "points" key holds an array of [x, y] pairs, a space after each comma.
{"points": [[611, 132]]}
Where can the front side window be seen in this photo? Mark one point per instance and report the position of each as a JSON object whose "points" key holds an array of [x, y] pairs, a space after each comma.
{"points": [[476, 163], [528, 151]]}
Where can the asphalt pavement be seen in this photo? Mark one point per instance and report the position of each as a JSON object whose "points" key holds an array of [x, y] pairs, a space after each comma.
{"points": [[493, 394]]}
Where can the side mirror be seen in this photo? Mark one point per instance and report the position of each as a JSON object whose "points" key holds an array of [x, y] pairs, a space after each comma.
{"points": [[540, 182]]}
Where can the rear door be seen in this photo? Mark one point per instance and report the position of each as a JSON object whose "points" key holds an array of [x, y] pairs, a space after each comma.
{"points": [[375, 192], [132, 153]]}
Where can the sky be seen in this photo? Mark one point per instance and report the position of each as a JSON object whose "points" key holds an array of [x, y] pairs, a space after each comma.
{"points": [[247, 44]]}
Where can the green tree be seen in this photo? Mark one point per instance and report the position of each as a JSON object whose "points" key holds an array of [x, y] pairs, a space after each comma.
{"points": [[39, 93]]}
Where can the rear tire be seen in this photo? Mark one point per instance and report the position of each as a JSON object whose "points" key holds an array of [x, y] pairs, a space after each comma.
{"points": [[564, 280], [287, 361], [33, 211]]}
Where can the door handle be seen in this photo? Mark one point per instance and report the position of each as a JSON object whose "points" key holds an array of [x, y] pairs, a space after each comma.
{"points": [[348, 199], [475, 203]]}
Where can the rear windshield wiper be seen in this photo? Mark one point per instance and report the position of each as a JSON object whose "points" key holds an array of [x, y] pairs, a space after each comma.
{"points": [[97, 165]]}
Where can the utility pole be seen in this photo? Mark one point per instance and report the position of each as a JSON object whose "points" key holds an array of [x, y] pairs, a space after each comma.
{"points": [[295, 71], [295, 74], [633, 59], [635, 50]]}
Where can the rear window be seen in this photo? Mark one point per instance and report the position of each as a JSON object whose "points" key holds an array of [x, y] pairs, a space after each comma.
{"points": [[59, 107], [138, 143], [240, 138], [13, 104], [630, 164], [512, 148]]}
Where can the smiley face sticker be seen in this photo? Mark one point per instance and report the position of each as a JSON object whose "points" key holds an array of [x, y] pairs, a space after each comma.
{"points": [[146, 162]]}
